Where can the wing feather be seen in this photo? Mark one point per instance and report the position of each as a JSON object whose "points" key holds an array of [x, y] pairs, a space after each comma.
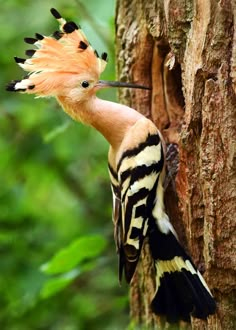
{"points": [[138, 175]]}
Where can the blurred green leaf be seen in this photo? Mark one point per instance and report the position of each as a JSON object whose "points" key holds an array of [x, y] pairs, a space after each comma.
{"points": [[82, 249], [54, 285]]}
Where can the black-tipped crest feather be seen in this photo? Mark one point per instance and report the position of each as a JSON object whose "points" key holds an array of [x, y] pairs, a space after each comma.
{"points": [[19, 59], [58, 35], [83, 45], [104, 56], [10, 87], [70, 27], [39, 36], [30, 52], [55, 13], [30, 41]]}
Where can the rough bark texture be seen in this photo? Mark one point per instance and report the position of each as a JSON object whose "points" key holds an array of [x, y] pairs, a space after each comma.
{"points": [[186, 50]]}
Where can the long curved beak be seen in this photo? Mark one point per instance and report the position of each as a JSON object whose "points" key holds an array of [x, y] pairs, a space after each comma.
{"points": [[105, 83]]}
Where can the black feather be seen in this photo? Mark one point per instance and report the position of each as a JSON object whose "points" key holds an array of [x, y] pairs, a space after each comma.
{"points": [[30, 52], [70, 27], [39, 36], [30, 40], [19, 60], [55, 13], [57, 35], [83, 45], [104, 56], [11, 86]]}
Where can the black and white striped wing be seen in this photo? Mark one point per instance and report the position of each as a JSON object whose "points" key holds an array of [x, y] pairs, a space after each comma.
{"points": [[139, 172]]}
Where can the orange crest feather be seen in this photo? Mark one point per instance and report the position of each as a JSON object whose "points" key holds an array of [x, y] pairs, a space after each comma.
{"points": [[61, 60]]}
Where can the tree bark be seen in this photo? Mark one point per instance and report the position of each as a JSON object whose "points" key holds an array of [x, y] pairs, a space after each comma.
{"points": [[186, 50]]}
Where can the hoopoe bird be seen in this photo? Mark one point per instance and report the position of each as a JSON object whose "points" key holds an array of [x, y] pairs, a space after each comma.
{"points": [[65, 66]]}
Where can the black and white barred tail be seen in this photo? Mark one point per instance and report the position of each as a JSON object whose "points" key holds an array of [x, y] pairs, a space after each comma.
{"points": [[181, 291]]}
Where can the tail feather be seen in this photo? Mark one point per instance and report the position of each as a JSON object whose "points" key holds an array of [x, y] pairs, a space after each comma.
{"points": [[181, 291], [170, 301]]}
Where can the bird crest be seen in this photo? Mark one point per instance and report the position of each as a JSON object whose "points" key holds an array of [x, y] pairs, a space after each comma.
{"points": [[60, 60]]}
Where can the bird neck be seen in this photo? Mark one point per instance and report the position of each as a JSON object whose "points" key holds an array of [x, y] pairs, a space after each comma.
{"points": [[111, 119]]}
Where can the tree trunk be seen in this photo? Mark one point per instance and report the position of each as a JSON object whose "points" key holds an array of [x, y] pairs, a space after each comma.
{"points": [[186, 50]]}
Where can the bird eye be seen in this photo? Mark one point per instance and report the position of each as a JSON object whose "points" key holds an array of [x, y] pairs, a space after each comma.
{"points": [[85, 84]]}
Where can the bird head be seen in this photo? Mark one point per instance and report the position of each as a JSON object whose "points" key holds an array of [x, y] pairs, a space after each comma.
{"points": [[63, 65]]}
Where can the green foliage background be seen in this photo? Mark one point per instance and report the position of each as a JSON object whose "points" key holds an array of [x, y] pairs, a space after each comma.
{"points": [[58, 263]]}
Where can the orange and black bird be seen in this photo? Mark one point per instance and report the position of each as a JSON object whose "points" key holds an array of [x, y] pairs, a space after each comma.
{"points": [[64, 65]]}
